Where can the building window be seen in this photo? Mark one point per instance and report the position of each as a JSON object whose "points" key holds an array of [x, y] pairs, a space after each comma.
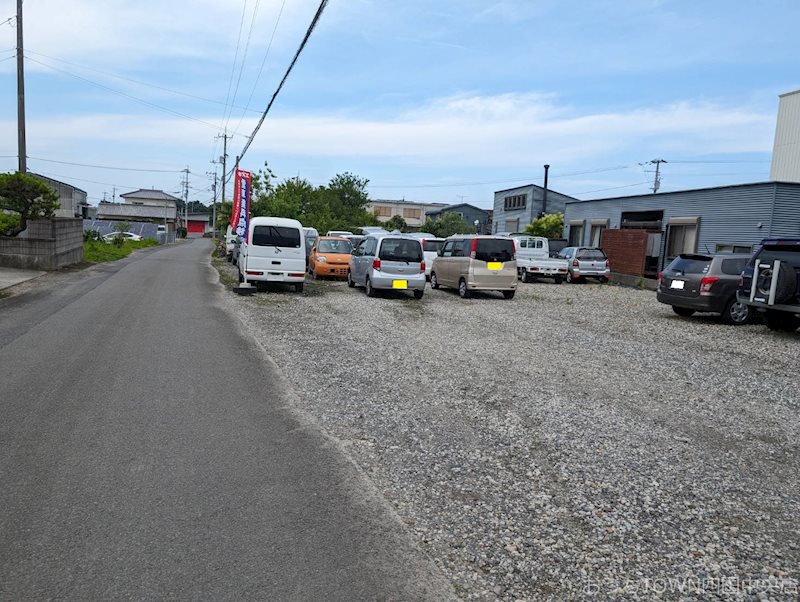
{"points": [[409, 213], [512, 225], [575, 234], [518, 201], [728, 248], [383, 212], [681, 236]]}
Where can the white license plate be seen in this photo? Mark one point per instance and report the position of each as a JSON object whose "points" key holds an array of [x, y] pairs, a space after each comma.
{"points": [[678, 284]]}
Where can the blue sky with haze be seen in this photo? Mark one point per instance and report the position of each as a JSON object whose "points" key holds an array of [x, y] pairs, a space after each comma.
{"points": [[439, 101]]}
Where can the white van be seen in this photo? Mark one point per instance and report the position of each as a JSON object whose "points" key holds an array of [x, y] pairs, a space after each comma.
{"points": [[275, 251], [230, 238]]}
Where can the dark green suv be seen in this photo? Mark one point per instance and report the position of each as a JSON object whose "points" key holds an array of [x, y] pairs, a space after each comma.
{"points": [[770, 283]]}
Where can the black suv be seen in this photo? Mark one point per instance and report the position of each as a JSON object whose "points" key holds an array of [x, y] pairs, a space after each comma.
{"points": [[770, 283]]}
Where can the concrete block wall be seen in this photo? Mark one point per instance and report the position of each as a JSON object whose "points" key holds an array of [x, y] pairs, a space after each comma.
{"points": [[47, 245], [626, 250]]}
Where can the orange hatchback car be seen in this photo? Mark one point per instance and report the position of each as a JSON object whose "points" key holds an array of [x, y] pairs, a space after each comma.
{"points": [[330, 256]]}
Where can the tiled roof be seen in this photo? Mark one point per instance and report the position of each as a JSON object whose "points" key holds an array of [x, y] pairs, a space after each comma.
{"points": [[127, 210], [151, 194]]}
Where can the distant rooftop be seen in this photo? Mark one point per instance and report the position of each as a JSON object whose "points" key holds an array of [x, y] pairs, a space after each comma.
{"points": [[150, 194]]}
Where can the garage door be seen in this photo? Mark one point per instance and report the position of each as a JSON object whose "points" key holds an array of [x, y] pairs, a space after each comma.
{"points": [[197, 227]]}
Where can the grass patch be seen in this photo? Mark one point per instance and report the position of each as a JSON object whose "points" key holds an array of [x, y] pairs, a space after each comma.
{"points": [[96, 251]]}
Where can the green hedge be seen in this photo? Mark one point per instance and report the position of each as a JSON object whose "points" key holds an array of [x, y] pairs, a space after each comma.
{"points": [[97, 251]]}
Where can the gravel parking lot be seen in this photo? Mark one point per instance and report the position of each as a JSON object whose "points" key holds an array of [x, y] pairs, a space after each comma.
{"points": [[578, 441]]}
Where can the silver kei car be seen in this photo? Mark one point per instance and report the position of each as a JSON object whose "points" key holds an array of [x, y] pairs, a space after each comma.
{"points": [[388, 262]]}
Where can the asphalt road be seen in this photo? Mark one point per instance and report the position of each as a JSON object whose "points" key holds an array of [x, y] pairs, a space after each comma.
{"points": [[149, 450]]}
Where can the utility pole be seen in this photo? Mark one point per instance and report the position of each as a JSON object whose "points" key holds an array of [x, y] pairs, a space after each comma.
{"points": [[213, 200], [114, 194], [186, 199], [21, 148], [657, 181], [224, 160]]}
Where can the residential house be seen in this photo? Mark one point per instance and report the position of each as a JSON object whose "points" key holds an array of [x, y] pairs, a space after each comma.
{"points": [[72, 201], [413, 213], [473, 216]]}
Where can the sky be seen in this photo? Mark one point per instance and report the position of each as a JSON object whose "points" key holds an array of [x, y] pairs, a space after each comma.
{"points": [[444, 101]]}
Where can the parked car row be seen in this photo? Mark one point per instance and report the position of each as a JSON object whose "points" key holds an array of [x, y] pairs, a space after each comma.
{"points": [[737, 286]]}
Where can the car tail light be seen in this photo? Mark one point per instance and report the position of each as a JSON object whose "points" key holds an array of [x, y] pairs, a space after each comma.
{"points": [[706, 284], [473, 251], [575, 263], [608, 263], [297, 275], [741, 281], [254, 273], [421, 267], [376, 264], [660, 276]]}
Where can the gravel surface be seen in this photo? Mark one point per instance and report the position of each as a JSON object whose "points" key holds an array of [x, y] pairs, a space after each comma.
{"points": [[578, 441]]}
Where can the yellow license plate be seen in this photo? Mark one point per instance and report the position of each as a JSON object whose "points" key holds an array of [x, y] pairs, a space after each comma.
{"points": [[399, 283], [495, 265]]}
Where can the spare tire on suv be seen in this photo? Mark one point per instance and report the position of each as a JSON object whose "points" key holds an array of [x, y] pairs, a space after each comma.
{"points": [[786, 286]]}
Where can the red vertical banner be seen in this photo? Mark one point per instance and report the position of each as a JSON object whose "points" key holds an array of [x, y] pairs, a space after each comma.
{"points": [[240, 214]]}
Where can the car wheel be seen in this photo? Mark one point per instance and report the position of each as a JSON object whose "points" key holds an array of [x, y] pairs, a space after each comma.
{"points": [[683, 311], [463, 291], [570, 278], [735, 313], [261, 287], [525, 276], [298, 288], [350, 282], [418, 294], [508, 294], [241, 278], [368, 288], [558, 279], [434, 280], [781, 321], [314, 274]]}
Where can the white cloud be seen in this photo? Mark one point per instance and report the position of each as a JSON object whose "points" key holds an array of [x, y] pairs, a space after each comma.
{"points": [[483, 131]]}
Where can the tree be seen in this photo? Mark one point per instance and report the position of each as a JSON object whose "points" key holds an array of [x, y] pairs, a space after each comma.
{"points": [[396, 222], [28, 197], [119, 228], [550, 225], [450, 223]]}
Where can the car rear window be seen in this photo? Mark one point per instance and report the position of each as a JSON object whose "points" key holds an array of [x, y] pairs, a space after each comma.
{"points": [[690, 265], [432, 245], [335, 246], [401, 249], [276, 236], [591, 254], [733, 267], [787, 253], [494, 249]]}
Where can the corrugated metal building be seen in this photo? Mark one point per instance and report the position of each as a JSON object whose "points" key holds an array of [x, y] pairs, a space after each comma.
{"points": [[515, 208], [786, 151], [707, 220], [469, 213]]}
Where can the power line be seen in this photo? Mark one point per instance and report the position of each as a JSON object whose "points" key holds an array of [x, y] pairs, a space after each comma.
{"points": [[311, 27], [506, 181], [106, 166], [233, 66], [727, 161], [613, 188], [261, 68], [56, 175], [138, 82], [244, 60], [125, 94]]}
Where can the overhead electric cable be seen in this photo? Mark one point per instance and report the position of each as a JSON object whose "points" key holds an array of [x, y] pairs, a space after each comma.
{"points": [[261, 68], [242, 63], [311, 27], [137, 81], [614, 188], [125, 94], [106, 166]]}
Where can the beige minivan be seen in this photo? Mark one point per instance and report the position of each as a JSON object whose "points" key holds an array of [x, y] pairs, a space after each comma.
{"points": [[476, 263]]}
